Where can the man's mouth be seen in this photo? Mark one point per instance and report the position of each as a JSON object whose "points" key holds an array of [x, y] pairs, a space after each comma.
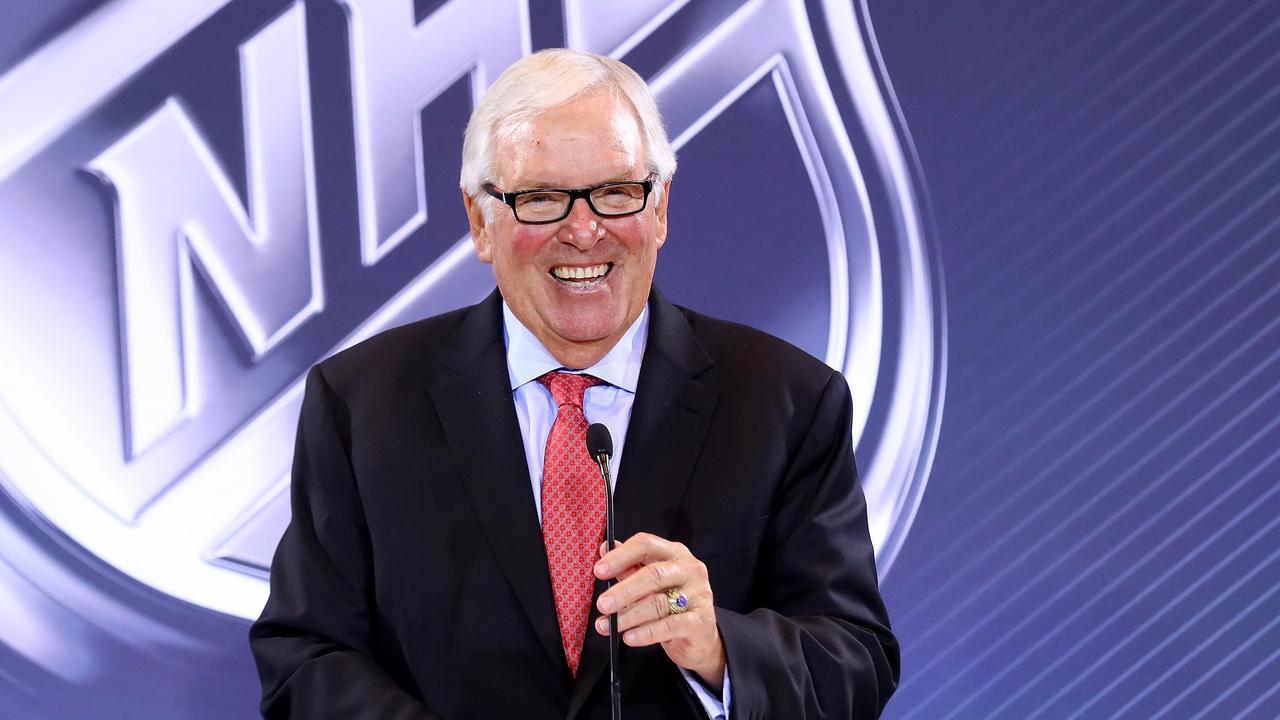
{"points": [[581, 276]]}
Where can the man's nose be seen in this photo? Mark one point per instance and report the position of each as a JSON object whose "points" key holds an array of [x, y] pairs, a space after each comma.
{"points": [[582, 228]]}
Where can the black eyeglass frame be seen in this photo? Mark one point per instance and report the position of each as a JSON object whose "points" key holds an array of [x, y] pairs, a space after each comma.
{"points": [[509, 198]]}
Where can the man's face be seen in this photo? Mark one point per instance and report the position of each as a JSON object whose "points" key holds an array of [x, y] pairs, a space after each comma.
{"points": [[591, 140]]}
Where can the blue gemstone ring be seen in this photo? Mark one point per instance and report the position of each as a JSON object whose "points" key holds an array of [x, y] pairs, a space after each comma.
{"points": [[677, 601]]}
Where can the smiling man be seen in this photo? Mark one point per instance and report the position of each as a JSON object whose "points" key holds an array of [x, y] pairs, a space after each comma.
{"points": [[444, 559], [575, 274]]}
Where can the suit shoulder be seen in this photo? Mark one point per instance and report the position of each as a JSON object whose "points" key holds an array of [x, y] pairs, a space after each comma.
{"points": [[411, 347], [757, 356]]}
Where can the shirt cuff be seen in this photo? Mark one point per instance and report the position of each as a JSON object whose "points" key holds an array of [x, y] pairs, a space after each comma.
{"points": [[716, 708]]}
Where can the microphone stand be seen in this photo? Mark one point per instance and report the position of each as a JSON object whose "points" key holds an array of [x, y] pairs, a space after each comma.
{"points": [[615, 688]]}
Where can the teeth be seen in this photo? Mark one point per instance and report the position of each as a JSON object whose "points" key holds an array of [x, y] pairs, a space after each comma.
{"points": [[580, 273]]}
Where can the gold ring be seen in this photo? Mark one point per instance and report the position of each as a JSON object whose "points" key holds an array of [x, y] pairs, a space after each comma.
{"points": [[677, 601]]}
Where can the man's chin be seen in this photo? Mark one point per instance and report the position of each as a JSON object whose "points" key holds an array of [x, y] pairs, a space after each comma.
{"points": [[579, 335], [589, 326]]}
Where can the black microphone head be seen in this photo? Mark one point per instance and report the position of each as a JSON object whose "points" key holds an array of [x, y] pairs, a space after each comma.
{"points": [[599, 441]]}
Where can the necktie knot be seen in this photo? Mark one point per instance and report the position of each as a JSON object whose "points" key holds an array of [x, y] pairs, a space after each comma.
{"points": [[568, 388]]}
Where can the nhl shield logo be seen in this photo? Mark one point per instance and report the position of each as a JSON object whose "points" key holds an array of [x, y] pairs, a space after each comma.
{"points": [[224, 192]]}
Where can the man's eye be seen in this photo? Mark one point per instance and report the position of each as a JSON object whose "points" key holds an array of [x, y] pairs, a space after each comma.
{"points": [[624, 192], [537, 199]]}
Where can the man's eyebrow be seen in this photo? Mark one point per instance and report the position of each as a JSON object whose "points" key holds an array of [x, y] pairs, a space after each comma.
{"points": [[532, 185], [544, 185], [623, 177]]}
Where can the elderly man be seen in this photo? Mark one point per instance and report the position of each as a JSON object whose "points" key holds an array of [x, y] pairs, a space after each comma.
{"points": [[445, 558]]}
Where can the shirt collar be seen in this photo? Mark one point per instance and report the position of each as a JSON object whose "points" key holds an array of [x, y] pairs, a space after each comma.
{"points": [[527, 359]]}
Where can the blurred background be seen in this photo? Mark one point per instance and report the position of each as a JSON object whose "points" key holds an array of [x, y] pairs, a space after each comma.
{"points": [[1099, 537], [1040, 240]]}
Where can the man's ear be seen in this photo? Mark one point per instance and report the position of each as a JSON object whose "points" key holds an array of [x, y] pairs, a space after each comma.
{"points": [[479, 227], [660, 214]]}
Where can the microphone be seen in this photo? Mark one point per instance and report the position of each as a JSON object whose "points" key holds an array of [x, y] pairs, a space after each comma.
{"points": [[599, 442], [600, 446]]}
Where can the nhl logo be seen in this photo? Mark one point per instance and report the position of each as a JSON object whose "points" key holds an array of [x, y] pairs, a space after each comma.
{"points": [[191, 222]]}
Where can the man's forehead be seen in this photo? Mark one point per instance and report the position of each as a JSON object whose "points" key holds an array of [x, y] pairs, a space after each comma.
{"points": [[548, 167], [590, 140]]}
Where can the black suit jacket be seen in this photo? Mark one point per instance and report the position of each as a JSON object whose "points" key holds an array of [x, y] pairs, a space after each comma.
{"points": [[412, 580]]}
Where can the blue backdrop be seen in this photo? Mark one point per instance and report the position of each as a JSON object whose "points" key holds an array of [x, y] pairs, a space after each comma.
{"points": [[1040, 240], [1099, 538]]}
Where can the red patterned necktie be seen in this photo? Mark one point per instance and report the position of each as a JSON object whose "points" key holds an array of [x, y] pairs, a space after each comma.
{"points": [[572, 510]]}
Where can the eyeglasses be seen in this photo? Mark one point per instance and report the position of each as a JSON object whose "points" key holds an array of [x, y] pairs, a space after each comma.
{"points": [[548, 205]]}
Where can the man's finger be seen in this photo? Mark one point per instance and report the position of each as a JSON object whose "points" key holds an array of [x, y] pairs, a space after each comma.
{"points": [[654, 607], [620, 575], [671, 627], [646, 580], [639, 549]]}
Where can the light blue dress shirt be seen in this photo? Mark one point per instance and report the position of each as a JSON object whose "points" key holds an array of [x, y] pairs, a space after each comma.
{"points": [[609, 404]]}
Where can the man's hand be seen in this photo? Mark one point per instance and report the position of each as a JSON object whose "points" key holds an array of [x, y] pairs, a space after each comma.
{"points": [[646, 566]]}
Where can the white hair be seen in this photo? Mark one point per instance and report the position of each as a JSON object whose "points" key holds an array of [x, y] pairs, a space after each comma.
{"points": [[549, 79]]}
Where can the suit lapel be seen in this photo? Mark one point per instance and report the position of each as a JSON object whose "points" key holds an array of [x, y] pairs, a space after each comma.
{"points": [[675, 400], [478, 415]]}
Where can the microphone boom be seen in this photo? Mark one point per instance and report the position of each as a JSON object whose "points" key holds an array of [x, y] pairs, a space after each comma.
{"points": [[600, 445]]}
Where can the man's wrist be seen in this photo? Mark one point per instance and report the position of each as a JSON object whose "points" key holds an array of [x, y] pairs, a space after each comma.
{"points": [[712, 676]]}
